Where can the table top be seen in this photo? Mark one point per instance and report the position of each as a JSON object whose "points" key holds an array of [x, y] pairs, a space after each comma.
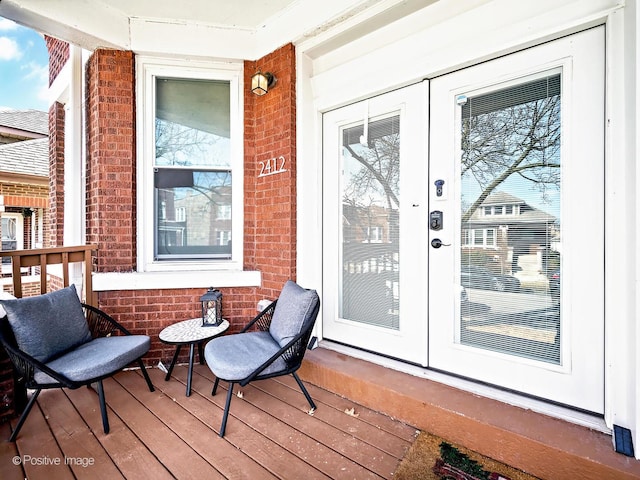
{"points": [[191, 331]]}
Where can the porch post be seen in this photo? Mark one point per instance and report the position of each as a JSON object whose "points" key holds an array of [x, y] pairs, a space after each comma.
{"points": [[74, 171]]}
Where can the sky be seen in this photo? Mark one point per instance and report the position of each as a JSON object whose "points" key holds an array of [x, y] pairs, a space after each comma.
{"points": [[24, 75]]}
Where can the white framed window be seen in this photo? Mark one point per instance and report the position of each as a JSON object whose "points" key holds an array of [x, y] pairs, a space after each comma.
{"points": [[224, 236], [224, 212], [479, 237], [374, 234], [181, 214], [190, 165]]}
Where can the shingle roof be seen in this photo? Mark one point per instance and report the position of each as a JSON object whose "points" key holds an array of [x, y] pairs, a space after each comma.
{"points": [[502, 198], [30, 157], [528, 214], [34, 121]]}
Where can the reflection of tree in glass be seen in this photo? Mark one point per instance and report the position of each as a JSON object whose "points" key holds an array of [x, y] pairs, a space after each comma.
{"points": [[180, 145], [378, 179], [519, 140], [214, 186]]}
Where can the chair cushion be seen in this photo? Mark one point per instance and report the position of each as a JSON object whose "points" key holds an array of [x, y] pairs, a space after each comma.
{"points": [[97, 358], [235, 357], [47, 325], [293, 310]]}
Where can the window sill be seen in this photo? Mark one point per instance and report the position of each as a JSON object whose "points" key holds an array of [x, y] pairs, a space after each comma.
{"points": [[113, 281]]}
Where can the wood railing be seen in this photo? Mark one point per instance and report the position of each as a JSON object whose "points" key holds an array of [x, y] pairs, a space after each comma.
{"points": [[41, 258]]}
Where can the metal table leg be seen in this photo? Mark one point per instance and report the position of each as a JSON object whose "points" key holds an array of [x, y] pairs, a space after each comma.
{"points": [[201, 352], [190, 372], [173, 362]]}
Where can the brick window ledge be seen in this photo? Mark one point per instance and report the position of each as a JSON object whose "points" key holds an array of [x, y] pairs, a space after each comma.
{"points": [[114, 281]]}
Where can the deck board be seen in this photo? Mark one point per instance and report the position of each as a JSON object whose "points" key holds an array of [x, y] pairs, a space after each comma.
{"points": [[78, 444], [371, 417], [128, 453], [8, 451], [287, 415], [39, 449], [223, 456], [343, 419], [165, 434], [157, 436]]}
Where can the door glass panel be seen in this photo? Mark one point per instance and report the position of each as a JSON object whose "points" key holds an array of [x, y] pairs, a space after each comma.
{"points": [[370, 222], [510, 263]]}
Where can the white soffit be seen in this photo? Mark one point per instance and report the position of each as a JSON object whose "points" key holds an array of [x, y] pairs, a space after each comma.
{"points": [[201, 28], [84, 23]]}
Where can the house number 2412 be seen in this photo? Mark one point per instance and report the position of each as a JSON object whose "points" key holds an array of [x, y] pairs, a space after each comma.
{"points": [[272, 166]]}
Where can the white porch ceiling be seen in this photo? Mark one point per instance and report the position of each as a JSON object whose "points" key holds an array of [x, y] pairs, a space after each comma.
{"points": [[240, 29]]}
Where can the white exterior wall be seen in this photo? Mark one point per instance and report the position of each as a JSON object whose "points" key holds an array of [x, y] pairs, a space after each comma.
{"points": [[449, 35]]}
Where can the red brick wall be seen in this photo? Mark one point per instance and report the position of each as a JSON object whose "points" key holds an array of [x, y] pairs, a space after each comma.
{"points": [[56, 174], [111, 159], [270, 208], [149, 311], [270, 201], [58, 56]]}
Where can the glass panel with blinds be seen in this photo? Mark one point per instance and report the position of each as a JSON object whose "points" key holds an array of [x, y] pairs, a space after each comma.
{"points": [[192, 169], [370, 223], [510, 262]]}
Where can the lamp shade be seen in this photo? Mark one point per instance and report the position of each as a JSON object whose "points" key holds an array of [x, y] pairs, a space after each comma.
{"points": [[261, 82]]}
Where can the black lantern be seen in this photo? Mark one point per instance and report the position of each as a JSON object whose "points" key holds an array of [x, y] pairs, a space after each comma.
{"points": [[211, 308]]}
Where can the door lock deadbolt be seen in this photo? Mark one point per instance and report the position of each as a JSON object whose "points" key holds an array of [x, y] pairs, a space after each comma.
{"points": [[438, 184], [435, 220]]}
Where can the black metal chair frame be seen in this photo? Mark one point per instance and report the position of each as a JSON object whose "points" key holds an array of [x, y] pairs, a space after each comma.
{"points": [[100, 325], [293, 354]]}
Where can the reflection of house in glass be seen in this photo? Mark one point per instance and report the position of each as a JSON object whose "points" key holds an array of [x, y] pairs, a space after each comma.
{"points": [[371, 224], [193, 219], [370, 255], [513, 236]]}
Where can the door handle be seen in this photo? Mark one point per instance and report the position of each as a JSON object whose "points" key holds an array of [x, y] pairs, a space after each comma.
{"points": [[437, 243]]}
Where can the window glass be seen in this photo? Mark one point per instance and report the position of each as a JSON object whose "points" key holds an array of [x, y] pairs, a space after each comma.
{"points": [[490, 237], [478, 237], [192, 169], [370, 226], [511, 157]]}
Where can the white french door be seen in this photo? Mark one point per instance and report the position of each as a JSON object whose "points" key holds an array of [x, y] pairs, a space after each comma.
{"points": [[519, 143], [463, 222], [374, 224]]}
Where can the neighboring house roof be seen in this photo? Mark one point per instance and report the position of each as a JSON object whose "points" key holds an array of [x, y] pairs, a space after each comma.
{"points": [[24, 123], [502, 198], [30, 157], [527, 214]]}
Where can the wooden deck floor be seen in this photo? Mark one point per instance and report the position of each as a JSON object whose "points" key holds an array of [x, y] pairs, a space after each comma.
{"points": [[165, 434]]}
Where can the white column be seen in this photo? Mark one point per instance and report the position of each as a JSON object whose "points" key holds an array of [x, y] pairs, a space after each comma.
{"points": [[74, 170]]}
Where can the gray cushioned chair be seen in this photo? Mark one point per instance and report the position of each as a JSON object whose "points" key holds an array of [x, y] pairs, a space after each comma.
{"points": [[55, 341], [272, 344]]}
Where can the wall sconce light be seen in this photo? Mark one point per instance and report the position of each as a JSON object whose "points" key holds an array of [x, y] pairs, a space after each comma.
{"points": [[261, 82]]}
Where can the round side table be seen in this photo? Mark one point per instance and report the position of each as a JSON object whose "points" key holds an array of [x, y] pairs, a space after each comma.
{"points": [[190, 332]]}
